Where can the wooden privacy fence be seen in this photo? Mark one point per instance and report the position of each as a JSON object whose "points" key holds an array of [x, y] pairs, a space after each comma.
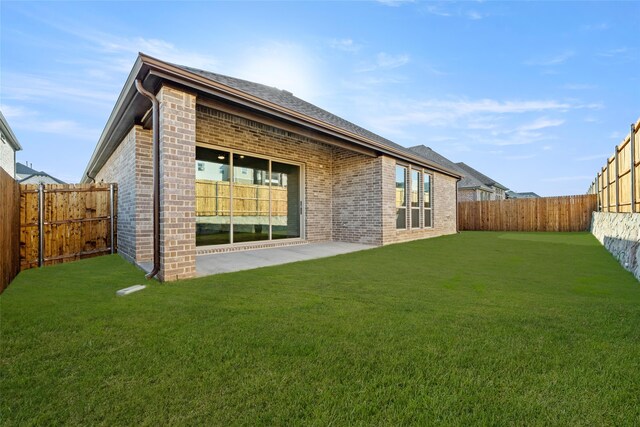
{"points": [[9, 229], [213, 198], [567, 213], [66, 222], [617, 185]]}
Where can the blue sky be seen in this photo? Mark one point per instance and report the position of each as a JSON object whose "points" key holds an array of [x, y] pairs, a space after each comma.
{"points": [[534, 94]]}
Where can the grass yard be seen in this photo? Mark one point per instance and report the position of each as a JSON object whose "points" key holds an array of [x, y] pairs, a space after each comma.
{"points": [[476, 328]]}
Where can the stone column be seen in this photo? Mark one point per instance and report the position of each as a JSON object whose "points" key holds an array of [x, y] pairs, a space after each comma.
{"points": [[177, 184]]}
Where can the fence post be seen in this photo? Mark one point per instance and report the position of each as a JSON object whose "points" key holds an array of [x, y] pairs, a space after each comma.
{"points": [[632, 141], [608, 188], [615, 159], [41, 225], [111, 216]]}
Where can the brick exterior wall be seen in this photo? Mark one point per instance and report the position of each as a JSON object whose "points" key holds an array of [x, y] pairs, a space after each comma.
{"points": [[233, 132], [444, 206], [467, 196], [130, 167], [348, 196], [177, 184], [357, 202]]}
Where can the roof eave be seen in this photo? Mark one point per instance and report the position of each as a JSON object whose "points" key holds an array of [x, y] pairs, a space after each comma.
{"points": [[146, 64], [11, 137], [123, 102]]}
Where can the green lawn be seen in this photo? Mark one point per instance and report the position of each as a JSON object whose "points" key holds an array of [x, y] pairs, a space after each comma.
{"points": [[476, 328]]}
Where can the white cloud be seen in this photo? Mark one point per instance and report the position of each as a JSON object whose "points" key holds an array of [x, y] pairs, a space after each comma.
{"points": [[12, 112], [592, 157], [614, 52], [520, 157], [394, 3], [596, 27], [438, 10], [475, 15], [551, 60], [346, 45], [569, 178], [385, 60], [38, 88], [578, 86], [541, 123]]}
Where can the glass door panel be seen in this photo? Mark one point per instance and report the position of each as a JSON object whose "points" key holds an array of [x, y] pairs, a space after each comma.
{"points": [[213, 197], [285, 201], [250, 199]]}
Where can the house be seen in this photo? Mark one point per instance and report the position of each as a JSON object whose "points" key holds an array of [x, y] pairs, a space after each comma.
{"points": [[242, 165], [526, 195], [25, 174], [8, 146], [496, 190], [472, 186]]}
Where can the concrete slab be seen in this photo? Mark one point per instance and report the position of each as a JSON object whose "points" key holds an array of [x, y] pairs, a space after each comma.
{"points": [[246, 260]]}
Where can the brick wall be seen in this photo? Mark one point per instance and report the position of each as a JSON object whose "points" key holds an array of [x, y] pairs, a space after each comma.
{"points": [[229, 131], [120, 169], [444, 206], [467, 196], [130, 167], [177, 184], [357, 203]]}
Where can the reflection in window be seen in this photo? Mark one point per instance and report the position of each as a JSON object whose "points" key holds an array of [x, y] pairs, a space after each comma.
{"points": [[213, 197], [415, 199], [241, 198], [250, 199], [401, 197], [427, 202]]}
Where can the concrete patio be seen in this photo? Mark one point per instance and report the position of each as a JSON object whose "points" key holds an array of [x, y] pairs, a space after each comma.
{"points": [[227, 262]]}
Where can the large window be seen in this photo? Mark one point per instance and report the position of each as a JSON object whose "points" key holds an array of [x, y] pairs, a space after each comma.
{"points": [[401, 197], [241, 198], [427, 200], [415, 199]]}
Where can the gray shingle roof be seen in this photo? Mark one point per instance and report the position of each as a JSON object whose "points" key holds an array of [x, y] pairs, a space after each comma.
{"points": [[25, 172], [467, 181], [287, 100], [480, 176]]}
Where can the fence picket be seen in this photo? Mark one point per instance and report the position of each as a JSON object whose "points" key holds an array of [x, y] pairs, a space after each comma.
{"points": [[568, 213]]}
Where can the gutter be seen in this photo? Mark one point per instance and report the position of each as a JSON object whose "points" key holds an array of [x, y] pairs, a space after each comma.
{"points": [[156, 177]]}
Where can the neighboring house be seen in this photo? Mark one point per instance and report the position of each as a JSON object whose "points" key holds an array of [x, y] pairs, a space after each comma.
{"points": [[497, 190], [525, 195], [470, 187], [8, 146], [246, 165], [26, 175]]}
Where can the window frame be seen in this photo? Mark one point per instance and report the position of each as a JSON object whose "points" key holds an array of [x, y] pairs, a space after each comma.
{"points": [[302, 193], [419, 206], [426, 173], [405, 206]]}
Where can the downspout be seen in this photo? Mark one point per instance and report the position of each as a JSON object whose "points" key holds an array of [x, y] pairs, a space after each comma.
{"points": [[457, 219], [156, 177]]}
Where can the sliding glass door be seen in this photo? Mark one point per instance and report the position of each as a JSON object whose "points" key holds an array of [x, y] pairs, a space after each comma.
{"points": [[242, 198]]}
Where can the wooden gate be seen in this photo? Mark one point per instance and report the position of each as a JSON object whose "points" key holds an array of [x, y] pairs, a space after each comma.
{"points": [[66, 222]]}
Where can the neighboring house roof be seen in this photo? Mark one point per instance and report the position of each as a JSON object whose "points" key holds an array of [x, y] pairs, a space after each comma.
{"points": [[26, 174], [523, 195], [8, 133], [480, 176], [131, 107], [467, 182]]}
